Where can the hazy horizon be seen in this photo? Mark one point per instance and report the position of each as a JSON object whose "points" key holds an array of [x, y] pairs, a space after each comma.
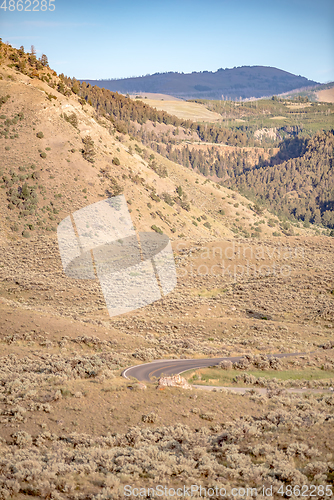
{"points": [[189, 73], [113, 39]]}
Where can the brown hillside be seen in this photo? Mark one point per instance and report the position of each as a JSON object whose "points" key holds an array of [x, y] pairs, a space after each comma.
{"points": [[326, 95], [64, 171]]}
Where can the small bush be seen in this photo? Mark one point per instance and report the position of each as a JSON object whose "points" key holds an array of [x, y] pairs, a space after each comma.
{"points": [[207, 416], [207, 225], [156, 229], [88, 151], [40, 135], [43, 155], [185, 206], [65, 392], [115, 188], [167, 199], [257, 209], [72, 119], [150, 418], [155, 197], [226, 364], [116, 161], [179, 190]]}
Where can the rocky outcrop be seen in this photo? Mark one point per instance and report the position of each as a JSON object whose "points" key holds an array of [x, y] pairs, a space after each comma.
{"points": [[174, 381]]}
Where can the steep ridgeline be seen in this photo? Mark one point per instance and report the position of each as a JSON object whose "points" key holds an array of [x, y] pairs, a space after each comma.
{"points": [[124, 112], [60, 155], [226, 155]]}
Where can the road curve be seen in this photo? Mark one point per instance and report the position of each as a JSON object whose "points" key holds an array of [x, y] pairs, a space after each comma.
{"points": [[147, 372]]}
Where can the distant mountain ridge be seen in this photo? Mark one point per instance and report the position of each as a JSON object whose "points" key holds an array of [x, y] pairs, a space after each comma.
{"points": [[244, 82]]}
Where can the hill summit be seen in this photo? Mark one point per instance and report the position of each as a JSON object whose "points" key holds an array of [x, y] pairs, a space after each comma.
{"points": [[244, 82]]}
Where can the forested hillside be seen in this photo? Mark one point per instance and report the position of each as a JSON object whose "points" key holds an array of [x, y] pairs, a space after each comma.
{"points": [[302, 187], [297, 181]]}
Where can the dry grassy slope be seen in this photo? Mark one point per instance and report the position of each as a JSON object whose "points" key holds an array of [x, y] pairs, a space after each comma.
{"points": [[61, 167], [326, 95], [183, 109], [31, 269]]}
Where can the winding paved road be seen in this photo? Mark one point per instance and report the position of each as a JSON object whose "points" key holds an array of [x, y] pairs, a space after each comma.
{"points": [[149, 371]]}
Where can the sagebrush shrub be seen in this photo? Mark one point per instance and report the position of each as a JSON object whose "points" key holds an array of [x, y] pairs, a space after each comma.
{"points": [[89, 150], [72, 119], [157, 229]]}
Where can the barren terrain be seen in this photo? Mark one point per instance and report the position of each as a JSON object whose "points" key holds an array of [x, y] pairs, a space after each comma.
{"points": [[326, 95], [183, 109]]}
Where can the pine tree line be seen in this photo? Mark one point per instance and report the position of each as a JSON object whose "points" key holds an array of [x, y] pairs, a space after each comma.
{"points": [[301, 187]]}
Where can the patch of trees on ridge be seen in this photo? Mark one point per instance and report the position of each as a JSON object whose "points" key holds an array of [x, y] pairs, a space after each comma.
{"points": [[302, 186], [121, 111]]}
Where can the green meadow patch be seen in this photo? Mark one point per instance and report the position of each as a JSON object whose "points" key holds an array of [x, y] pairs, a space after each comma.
{"points": [[217, 376]]}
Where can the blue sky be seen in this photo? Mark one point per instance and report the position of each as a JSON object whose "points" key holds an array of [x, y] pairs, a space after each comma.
{"points": [[114, 39]]}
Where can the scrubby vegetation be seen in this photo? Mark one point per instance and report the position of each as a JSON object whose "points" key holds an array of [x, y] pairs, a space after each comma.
{"points": [[270, 448], [88, 150], [72, 119], [228, 453]]}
